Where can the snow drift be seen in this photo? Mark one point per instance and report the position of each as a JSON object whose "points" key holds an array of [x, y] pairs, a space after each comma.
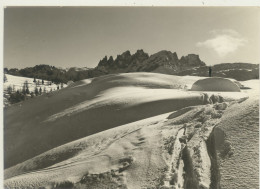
{"points": [[215, 84], [88, 107], [135, 130]]}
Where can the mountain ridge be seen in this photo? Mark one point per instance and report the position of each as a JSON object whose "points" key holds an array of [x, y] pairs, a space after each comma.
{"points": [[141, 61], [164, 61]]}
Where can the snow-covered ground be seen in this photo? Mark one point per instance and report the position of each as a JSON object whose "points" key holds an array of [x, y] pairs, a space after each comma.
{"points": [[134, 130], [17, 83], [14, 83]]}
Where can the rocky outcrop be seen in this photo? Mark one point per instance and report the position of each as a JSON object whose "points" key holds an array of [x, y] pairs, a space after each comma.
{"points": [[141, 61], [163, 58], [191, 60], [123, 60]]}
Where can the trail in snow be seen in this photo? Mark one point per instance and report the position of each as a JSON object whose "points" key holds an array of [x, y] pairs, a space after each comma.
{"points": [[174, 174], [135, 148], [196, 125]]}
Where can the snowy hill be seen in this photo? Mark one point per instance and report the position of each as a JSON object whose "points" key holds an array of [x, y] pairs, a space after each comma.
{"points": [[134, 130]]}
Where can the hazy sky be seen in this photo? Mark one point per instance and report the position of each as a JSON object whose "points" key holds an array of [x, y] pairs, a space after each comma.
{"points": [[81, 36]]}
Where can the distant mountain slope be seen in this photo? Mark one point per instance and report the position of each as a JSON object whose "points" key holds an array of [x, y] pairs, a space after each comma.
{"points": [[164, 62], [238, 71], [54, 74]]}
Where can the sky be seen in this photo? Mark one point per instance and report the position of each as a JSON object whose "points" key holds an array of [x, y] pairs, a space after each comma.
{"points": [[81, 36]]}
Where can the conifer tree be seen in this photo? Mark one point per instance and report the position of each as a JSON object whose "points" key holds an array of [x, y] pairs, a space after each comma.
{"points": [[9, 89], [27, 91], [24, 89], [36, 91], [5, 78]]}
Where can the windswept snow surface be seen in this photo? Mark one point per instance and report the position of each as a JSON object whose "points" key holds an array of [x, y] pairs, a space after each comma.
{"points": [[76, 112], [215, 84], [237, 139], [117, 131]]}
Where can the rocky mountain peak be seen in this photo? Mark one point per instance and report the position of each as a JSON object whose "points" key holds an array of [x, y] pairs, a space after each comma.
{"points": [[163, 56], [125, 54], [141, 61], [103, 62], [191, 60], [139, 56], [140, 52]]}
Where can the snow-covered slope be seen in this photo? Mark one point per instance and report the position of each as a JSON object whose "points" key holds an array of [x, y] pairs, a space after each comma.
{"points": [[135, 130], [237, 142], [17, 82], [215, 84]]}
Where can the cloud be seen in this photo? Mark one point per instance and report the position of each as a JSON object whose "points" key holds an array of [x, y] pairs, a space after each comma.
{"points": [[223, 42]]}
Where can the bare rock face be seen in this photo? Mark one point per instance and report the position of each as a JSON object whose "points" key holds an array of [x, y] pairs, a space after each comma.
{"points": [[123, 60], [140, 56], [137, 58], [163, 58], [191, 60], [141, 61], [103, 62]]}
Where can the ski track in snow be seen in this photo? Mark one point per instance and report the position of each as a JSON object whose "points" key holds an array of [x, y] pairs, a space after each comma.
{"points": [[102, 152]]}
